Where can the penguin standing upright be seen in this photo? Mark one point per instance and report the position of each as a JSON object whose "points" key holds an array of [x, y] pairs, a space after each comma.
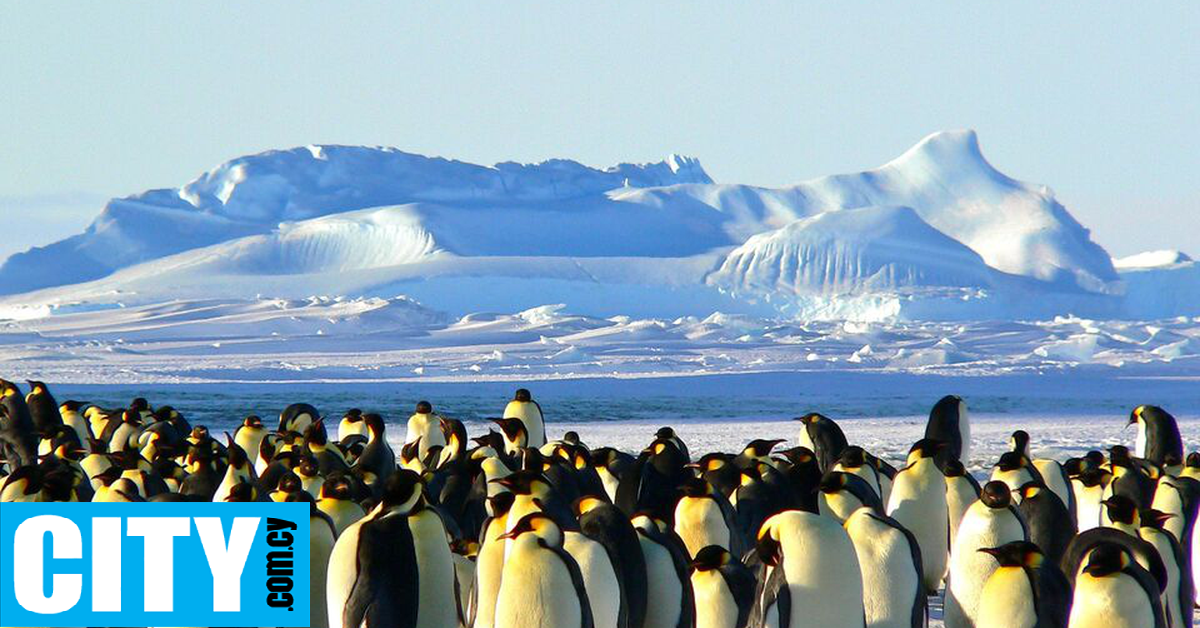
{"points": [[351, 425], [18, 437], [607, 525], [918, 502], [990, 522], [425, 429], [43, 409], [823, 437], [669, 589], [69, 410], [322, 538], [890, 561], [377, 461], [950, 423], [1179, 596], [815, 560], [842, 493], [1157, 434], [249, 436], [523, 407], [704, 517], [395, 558], [541, 585], [600, 580], [1025, 591], [1113, 591], [723, 587], [373, 572], [1051, 526]]}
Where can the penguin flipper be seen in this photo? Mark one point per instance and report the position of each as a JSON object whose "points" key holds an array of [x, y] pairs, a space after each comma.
{"points": [[772, 593], [741, 582], [387, 572]]}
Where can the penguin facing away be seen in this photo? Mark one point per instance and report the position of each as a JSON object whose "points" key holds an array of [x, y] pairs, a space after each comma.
{"points": [[950, 423], [890, 561]]}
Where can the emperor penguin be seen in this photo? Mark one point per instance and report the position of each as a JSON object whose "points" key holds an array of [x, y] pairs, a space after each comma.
{"points": [[704, 517], [1113, 591], [600, 579], [425, 427], [823, 437], [71, 416], [1051, 526], [610, 465], [239, 471], [918, 503], [541, 584], [249, 436], [18, 437], [321, 539], [489, 562], [393, 567], [516, 437], [608, 526], [949, 422], [351, 425], [962, 490], [1179, 595], [1025, 591], [855, 461], [297, 417], [1089, 486], [336, 500], [842, 493], [814, 560], [43, 409], [723, 588], [523, 407], [377, 461], [1157, 434], [990, 522], [890, 561], [668, 587]]}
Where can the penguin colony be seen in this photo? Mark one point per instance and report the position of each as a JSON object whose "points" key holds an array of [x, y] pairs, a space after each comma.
{"points": [[508, 530]]}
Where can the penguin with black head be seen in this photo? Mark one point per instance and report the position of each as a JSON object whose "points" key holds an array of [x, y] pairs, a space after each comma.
{"points": [[949, 422], [1157, 434], [823, 437]]}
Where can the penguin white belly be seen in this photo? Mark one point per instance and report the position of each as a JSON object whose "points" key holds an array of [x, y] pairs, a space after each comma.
{"points": [[436, 571], [341, 574], [250, 440], [1196, 559], [1167, 499], [824, 581], [918, 502], [77, 423], [715, 606], [320, 544], [427, 429], [664, 590], [1139, 447], [1170, 596], [700, 523], [536, 590], [960, 494], [806, 440], [610, 482], [531, 415], [1087, 505], [890, 581], [489, 568], [1007, 601], [1014, 478], [1114, 601], [969, 568], [599, 578], [351, 428]]}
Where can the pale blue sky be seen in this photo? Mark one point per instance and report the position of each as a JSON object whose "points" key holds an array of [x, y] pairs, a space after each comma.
{"points": [[1102, 103]]}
